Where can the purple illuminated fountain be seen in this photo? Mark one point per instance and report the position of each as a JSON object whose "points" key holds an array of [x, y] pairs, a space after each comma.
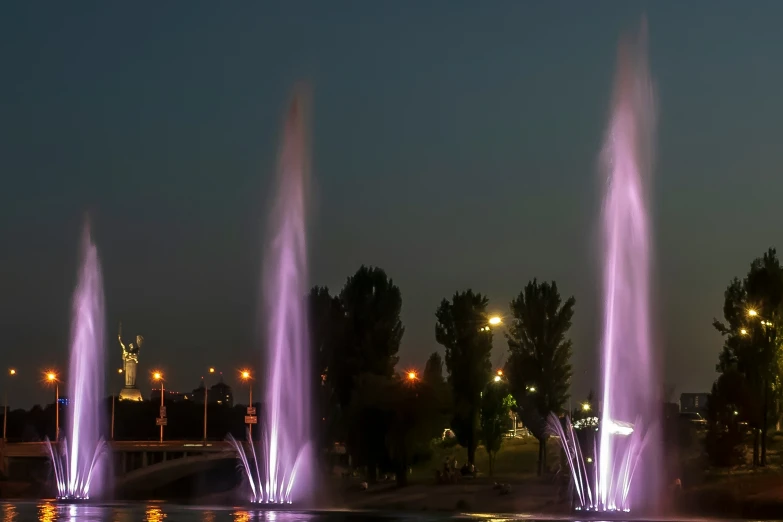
{"points": [[629, 364], [282, 475], [76, 457], [630, 377]]}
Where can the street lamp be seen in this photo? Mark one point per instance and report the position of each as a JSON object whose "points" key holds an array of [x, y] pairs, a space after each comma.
{"points": [[412, 376], [246, 377], [158, 376], [495, 320], [206, 399], [586, 406], [752, 312], [51, 378], [498, 378], [11, 372]]}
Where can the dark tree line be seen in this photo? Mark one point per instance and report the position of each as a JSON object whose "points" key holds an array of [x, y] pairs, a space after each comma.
{"points": [[388, 418]]}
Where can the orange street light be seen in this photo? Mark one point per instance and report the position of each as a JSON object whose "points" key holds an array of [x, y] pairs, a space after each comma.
{"points": [[211, 370], [495, 320], [752, 312], [245, 376], [412, 375], [11, 372], [51, 377], [743, 331]]}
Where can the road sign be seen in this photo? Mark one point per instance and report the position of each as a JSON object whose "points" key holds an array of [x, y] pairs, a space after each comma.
{"points": [[161, 421], [163, 411], [251, 419], [251, 410]]}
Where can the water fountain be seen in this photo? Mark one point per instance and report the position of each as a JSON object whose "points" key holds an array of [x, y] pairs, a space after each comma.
{"points": [[630, 378], [281, 476], [76, 457]]}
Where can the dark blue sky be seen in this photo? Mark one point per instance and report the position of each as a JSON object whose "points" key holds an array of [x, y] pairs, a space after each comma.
{"points": [[455, 145]]}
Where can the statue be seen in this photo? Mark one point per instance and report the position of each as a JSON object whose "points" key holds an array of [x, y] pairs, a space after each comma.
{"points": [[130, 359]]}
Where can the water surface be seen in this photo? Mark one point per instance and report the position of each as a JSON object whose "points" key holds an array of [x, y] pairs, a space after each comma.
{"points": [[45, 511]]}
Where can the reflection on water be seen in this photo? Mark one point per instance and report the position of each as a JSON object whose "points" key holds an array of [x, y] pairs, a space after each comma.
{"points": [[49, 511], [242, 516], [9, 513], [154, 514]]}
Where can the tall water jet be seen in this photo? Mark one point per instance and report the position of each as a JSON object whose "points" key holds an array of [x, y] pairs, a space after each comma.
{"points": [[286, 430], [630, 377], [75, 458]]}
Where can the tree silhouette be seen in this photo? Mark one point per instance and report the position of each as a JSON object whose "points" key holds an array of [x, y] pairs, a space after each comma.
{"points": [[539, 362], [462, 329], [433, 370], [371, 304], [327, 324], [752, 309]]}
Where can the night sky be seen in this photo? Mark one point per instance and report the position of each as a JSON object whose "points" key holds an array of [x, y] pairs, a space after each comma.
{"points": [[455, 145]]}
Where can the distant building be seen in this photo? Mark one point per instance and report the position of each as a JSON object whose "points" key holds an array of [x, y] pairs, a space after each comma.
{"points": [[694, 403], [219, 393]]}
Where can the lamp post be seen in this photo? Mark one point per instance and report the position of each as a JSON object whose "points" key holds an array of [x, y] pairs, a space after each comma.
{"points": [[158, 376], [51, 377], [246, 377], [206, 400], [11, 373]]}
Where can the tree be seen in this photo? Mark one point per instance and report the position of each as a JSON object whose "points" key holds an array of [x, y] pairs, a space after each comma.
{"points": [[730, 405], [462, 328], [752, 310], [418, 412], [433, 370], [539, 362], [371, 304], [496, 403], [327, 324]]}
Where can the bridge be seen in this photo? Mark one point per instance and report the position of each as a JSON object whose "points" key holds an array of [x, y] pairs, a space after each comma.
{"points": [[138, 465]]}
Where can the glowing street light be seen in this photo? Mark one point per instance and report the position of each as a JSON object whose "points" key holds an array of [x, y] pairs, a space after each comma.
{"points": [[51, 377], [412, 375], [752, 312], [119, 370], [211, 370], [585, 406], [246, 376], [495, 320], [158, 376], [500, 373], [11, 372], [498, 378], [743, 331], [531, 389]]}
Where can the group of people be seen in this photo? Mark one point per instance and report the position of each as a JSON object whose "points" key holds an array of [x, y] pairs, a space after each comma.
{"points": [[451, 472]]}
